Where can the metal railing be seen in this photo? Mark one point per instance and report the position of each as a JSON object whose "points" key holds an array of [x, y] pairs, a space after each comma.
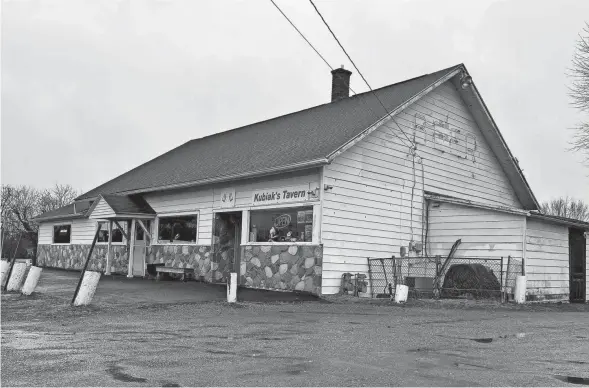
{"points": [[428, 277]]}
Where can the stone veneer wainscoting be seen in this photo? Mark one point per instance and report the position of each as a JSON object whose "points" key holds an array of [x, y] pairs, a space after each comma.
{"points": [[185, 256], [282, 267], [72, 257]]}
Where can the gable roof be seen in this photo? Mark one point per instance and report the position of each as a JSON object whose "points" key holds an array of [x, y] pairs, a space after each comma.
{"points": [[298, 140], [305, 139]]}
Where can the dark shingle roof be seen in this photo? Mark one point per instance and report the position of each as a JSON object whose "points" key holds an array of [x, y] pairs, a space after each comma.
{"points": [[299, 137], [66, 211], [128, 204]]}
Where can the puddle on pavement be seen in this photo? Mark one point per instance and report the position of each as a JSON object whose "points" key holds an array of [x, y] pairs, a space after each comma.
{"points": [[573, 380], [483, 340], [117, 373]]}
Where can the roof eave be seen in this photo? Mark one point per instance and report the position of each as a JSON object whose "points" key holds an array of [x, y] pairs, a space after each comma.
{"points": [[512, 161], [60, 217], [562, 221], [225, 178]]}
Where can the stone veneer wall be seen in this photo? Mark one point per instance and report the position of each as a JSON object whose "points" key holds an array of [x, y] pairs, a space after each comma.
{"points": [[72, 256], [185, 256], [282, 267]]}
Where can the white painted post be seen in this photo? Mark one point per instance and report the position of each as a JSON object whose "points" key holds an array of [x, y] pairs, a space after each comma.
{"points": [[32, 280], [131, 249], [108, 252], [4, 267], [401, 292], [232, 288], [87, 288], [519, 293], [16, 277]]}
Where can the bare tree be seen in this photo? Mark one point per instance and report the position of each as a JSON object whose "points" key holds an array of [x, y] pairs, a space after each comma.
{"points": [[58, 196], [567, 207], [579, 91], [20, 204]]}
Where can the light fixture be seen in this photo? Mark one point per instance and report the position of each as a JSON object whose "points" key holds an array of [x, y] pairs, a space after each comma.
{"points": [[465, 81]]}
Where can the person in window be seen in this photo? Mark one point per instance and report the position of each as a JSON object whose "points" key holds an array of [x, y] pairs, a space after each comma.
{"points": [[273, 235]]}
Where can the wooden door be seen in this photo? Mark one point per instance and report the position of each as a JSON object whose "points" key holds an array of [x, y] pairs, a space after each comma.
{"points": [[577, 266], [139, 252]]}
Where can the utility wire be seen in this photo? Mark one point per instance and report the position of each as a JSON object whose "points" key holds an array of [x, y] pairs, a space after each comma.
{"points": [[412, 147], [361, 75], [301, 34]]}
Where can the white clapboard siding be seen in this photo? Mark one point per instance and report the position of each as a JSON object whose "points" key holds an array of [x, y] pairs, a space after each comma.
{"points": [[368, 211], [547, 252], [102, 210], [82, 231], [484, 233], [205, 200], [45, 233]]}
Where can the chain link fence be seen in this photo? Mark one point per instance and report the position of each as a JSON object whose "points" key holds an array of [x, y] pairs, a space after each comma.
{"points": [[434, 277]]}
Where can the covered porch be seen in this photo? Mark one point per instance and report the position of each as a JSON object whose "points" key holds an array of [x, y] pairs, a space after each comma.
{"points": [[124, 220]]}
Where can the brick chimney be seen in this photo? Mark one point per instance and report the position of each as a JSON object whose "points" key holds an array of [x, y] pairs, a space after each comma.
{"points": [[340, 84]]}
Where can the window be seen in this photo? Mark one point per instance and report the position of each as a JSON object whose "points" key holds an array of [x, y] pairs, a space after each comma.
{"points": [[177, 229], [139, 232], [62, 234], [117, 235], [282, 225]]}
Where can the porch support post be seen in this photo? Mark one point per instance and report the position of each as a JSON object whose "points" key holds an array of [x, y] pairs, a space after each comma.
{"points": [[125, 235], [109, 251], [131, 249], [144, 228], [86, 263]]}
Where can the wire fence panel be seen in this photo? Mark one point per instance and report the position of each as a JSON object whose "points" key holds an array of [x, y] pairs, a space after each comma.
{"points": [[513, 270], [460, 278]]}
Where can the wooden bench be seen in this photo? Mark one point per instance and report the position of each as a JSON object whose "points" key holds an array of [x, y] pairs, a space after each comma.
{"points": [[184, 271]]}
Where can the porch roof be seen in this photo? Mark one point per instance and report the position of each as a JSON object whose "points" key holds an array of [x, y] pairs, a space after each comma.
{"points": [[112, 207]]}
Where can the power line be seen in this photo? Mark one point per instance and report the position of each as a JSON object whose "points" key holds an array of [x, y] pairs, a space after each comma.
{"points": [[347, 85], [301, 34], [359, 72]]}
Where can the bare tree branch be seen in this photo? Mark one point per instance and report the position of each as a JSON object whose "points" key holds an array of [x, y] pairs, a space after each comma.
{"points": [[579, 91], [566, 207]]}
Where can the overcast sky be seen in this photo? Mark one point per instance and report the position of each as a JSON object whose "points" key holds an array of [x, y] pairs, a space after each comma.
{"points": [[91, 89]]}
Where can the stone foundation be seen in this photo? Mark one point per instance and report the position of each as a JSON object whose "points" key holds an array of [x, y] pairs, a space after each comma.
{"points": [[282, 267], [73, 256], [185, 256]]}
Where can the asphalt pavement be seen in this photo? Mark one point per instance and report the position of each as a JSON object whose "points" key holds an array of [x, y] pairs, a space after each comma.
{"points": [[206, 342]]}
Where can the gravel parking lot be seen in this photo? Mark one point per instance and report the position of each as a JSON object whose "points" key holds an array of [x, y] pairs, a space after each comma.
{"points": [[135, 342]]}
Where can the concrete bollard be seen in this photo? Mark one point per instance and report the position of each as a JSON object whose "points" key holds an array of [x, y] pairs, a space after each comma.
{"points": [[87, 288], [519, 292], [401, 293], [4, 267], [32, 280], [232, 288], [16, 277]]}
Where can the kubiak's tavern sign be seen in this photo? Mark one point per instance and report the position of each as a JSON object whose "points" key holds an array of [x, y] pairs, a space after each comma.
{"points": [[291, 194]]}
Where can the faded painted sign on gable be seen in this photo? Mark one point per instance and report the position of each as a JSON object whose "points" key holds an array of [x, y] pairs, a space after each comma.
{"points": [[440, 135]]}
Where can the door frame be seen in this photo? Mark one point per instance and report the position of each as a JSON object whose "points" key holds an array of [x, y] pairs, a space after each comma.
{"points": [[238, 238], [583, 239], [132, 243]]}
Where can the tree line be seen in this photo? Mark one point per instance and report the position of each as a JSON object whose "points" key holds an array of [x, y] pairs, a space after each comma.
{"points": [[19, 205]]}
